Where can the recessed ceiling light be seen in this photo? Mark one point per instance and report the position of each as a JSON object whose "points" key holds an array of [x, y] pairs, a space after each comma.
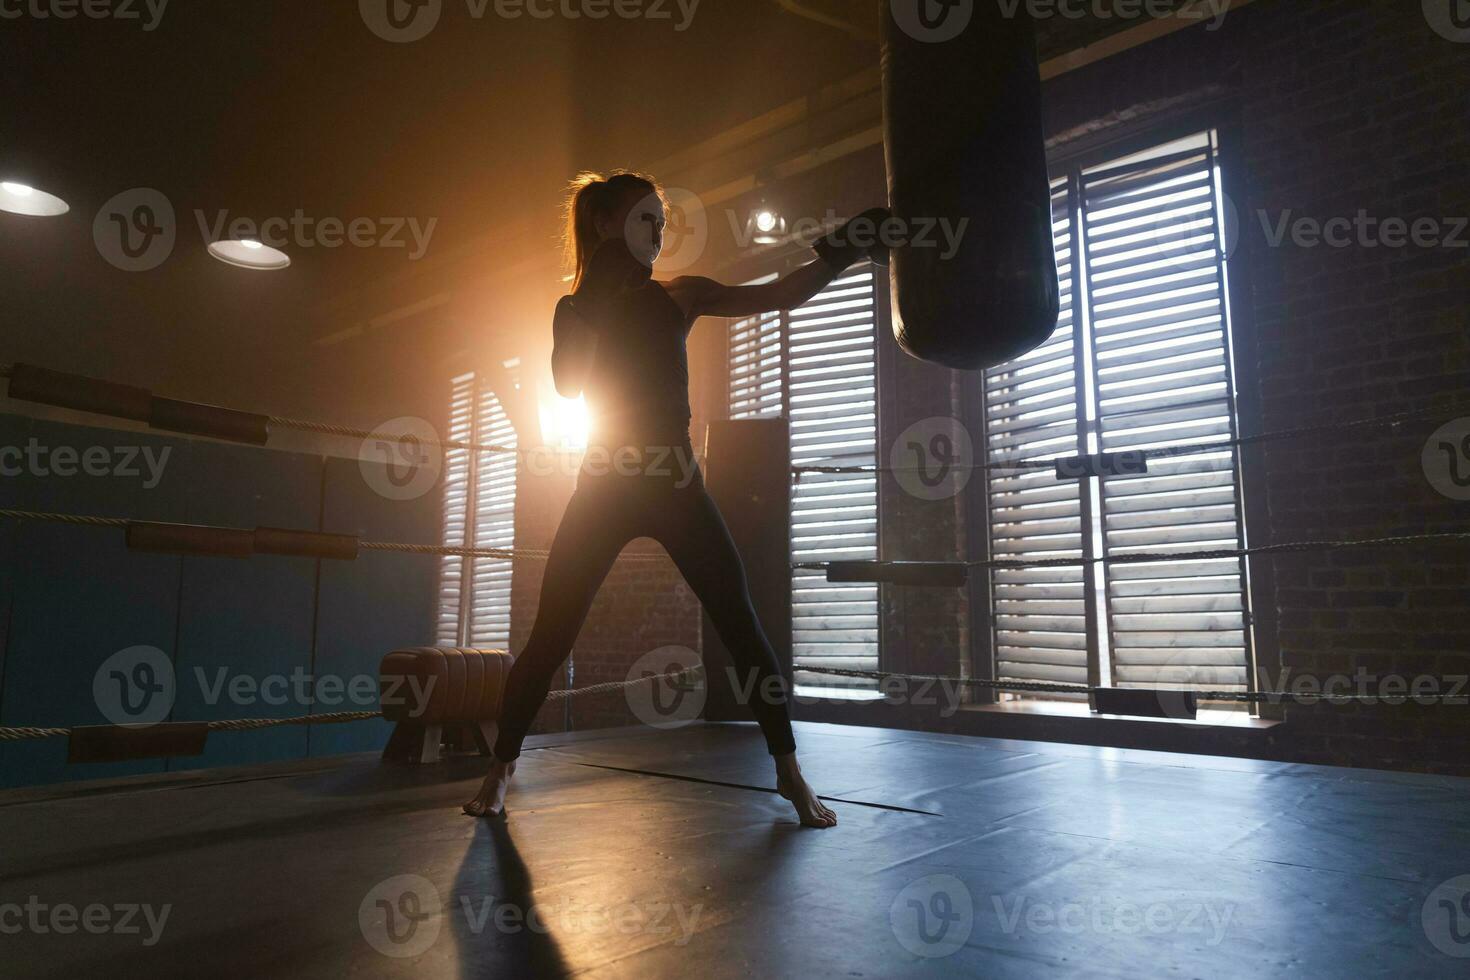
{"points": [[768, 226], [247, 253], [18, 198]]}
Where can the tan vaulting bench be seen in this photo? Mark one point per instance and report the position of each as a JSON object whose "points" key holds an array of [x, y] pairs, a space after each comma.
{"points": [[440, 695]]}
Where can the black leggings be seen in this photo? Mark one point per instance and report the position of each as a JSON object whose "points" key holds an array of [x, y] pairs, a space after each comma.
{"points": [[606, 512]]}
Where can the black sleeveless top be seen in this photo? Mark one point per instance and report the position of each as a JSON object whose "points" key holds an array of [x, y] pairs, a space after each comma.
{"points": [[638, 387]]}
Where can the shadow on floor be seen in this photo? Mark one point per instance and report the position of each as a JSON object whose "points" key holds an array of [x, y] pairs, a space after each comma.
{"points": [[494, 913]]}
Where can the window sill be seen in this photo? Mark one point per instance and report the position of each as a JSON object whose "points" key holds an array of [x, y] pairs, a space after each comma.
{"points": [[835, 693], [1076, 709]]}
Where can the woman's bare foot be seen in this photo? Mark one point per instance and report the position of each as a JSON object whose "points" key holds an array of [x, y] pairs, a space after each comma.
{"points": [[490, 801], [793, 786]]}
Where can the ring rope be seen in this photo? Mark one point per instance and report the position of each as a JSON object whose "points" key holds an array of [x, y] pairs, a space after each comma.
{"points": [[1136, 558], [1236, 697], [20, 734], [1167, 452], [347, 431], [343, 717], [252, 724], [591, 689], [1184, 449], [430, 549], [77, 519], [1151, 557], [508, 554]]}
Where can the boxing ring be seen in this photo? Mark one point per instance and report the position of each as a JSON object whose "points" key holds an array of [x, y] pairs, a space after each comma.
{"points": [[75, 392], [633, 853], [636, 852]]}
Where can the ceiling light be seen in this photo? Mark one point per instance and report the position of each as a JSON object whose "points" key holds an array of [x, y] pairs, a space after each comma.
{"points": [[18, 198], [767, 227], [247, 253]]}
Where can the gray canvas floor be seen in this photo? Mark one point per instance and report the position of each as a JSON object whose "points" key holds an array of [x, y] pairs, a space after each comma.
{"points": [[662, 854]]}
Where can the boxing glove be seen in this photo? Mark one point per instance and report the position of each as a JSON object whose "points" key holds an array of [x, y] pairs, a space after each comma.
{"points": [[864, 236]]}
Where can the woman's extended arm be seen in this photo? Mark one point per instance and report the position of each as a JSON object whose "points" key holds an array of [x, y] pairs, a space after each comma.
{"points": [[856, 239], [713, 298]]}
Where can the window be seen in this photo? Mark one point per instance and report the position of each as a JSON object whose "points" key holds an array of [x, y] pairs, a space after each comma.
{"points": [[479, 512], [1141, 358], [817, 366]]}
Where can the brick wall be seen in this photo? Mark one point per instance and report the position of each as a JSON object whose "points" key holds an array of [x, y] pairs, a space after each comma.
{"points": [[1349, 107], [1336, 107]]}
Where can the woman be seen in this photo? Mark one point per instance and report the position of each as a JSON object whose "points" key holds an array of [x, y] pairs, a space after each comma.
{"points": [[620, 337]]}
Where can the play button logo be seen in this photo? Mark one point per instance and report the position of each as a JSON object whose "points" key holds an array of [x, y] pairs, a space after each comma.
{"points": [[1449, 18], [401, 21]]}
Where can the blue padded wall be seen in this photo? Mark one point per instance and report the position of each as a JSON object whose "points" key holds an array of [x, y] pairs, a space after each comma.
{"points": [[378, 603], [245, 625], [79, 595], [70, 597], [12, 433]]}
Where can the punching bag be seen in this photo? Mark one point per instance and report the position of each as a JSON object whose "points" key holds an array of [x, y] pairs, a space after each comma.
{"points": [[964, 145]]}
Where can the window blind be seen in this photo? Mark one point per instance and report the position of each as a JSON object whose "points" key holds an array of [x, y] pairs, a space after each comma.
{"points": [[479, 512], [1161, 349], [1032, 408], [1141, 358], [817, 365]]}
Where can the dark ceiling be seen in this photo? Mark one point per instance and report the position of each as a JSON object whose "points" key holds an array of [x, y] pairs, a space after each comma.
{"points": [[264, 108]]}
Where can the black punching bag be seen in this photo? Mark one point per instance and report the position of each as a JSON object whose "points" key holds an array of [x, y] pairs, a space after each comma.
{"points": [[963, 137]]}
